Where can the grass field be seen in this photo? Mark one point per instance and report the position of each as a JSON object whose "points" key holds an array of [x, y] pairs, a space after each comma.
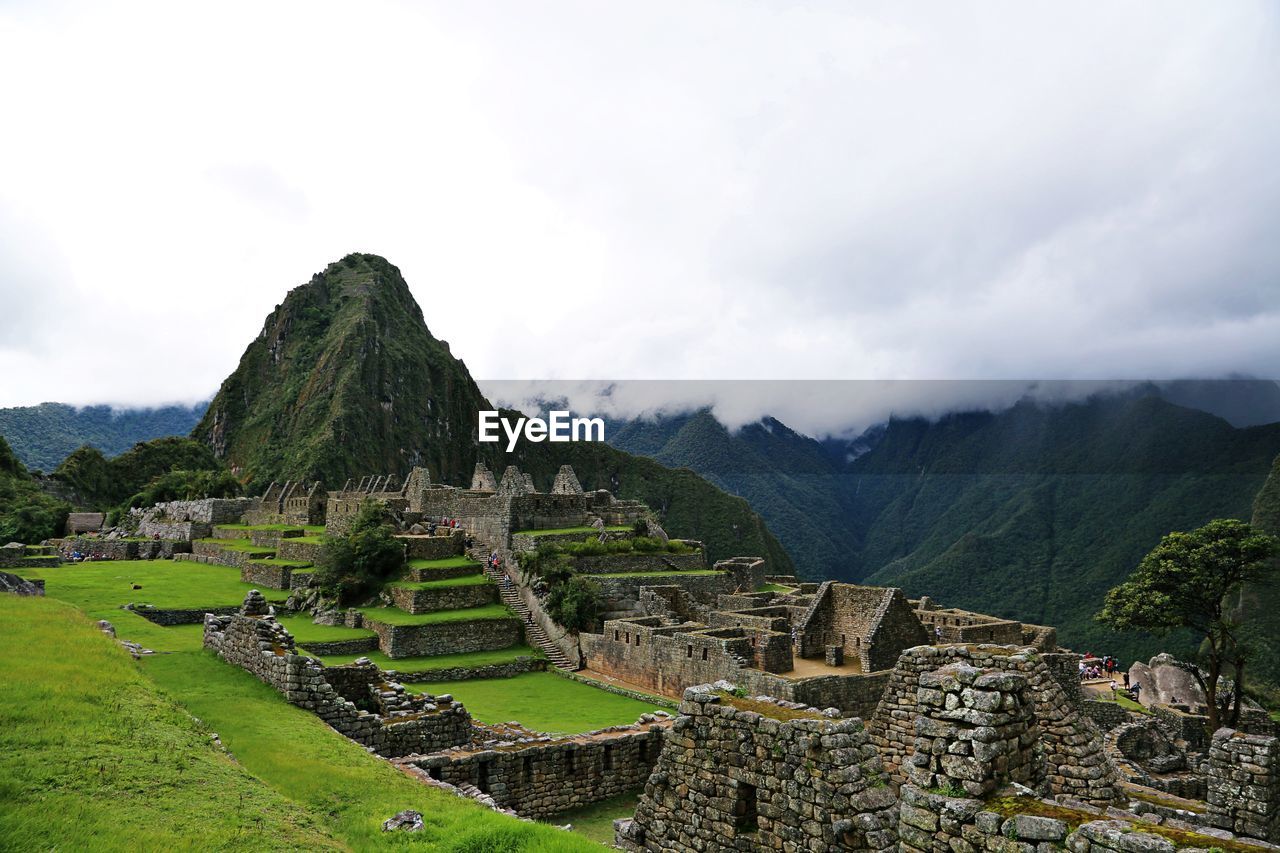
{"points": [[293, 752], [93, 758], [396, 616], [541, 701], [446, 563], [437, 661], [596, 820]]}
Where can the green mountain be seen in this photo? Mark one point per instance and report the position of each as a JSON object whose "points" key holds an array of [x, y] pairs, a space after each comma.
{"points": [[44, 435], [1031, 513], [346, 380], [90, 480]]}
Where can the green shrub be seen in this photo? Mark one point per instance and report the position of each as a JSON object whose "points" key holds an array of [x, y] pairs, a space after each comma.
{"points": [[574, 603], [356, 566]]}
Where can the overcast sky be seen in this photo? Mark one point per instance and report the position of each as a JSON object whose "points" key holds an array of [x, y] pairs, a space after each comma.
{"points": [[651, 190]]}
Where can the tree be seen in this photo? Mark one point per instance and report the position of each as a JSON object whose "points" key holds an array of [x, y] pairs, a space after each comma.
{"points": [[357, 565], [574, 603], [1184, 583]]}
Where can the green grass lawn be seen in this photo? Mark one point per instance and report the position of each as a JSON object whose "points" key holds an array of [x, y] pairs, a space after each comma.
{"points": [[1123, 701], [596, 820], [351, 791], [305, 631], [293, 564], [775, 587], [465, 580], [102, 587], [437, 661], [541, 701], [309, 539], [93, 757], [396, 616], [446, 563], [557, 531]]}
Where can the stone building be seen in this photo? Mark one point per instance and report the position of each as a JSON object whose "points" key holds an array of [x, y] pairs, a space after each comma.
{"points": [[865, 623]]}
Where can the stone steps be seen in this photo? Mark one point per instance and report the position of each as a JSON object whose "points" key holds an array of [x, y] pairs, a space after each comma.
{"points": [[534, 634]]}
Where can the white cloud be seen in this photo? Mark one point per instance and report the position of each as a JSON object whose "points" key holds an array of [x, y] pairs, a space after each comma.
{"points": [[720, 190]]}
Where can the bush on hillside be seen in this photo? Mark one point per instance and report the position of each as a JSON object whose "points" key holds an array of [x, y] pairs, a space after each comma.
{"points": [[356, 566], [574, 603]]}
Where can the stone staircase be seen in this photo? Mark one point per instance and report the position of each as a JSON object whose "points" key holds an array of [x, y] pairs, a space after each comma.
{"points": [[511, 597]]}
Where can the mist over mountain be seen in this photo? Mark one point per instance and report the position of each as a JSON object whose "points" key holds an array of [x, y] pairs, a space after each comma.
{"points": [[43, 436]]}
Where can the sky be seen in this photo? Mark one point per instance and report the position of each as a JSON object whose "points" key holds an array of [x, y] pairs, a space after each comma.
{"points": [[710, 191]]}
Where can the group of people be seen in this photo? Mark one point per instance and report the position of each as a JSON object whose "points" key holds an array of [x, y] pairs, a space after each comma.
{"points": [[1093, 668]]}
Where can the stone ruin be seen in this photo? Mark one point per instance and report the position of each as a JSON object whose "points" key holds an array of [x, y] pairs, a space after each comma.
{"points": [[356, 700], [741, 774]]}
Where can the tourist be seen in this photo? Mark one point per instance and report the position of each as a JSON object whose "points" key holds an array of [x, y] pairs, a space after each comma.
{"points": [[1137, 690], [937, 633], [1126, 679]]}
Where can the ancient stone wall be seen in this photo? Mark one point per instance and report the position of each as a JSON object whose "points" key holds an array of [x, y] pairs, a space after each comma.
{"points": [[442, 638], [333, 648], [755, 776], [639, 562], [1244, 784], [870, 624], [1072, 744], [415, 601], [509, 669], [268, 574], [439, 547], [296, 549], [620, 594], [540, 780], [1105, 715], [356, 701]]}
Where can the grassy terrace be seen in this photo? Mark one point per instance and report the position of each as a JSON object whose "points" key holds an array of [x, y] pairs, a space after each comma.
{"points": [[238, 545], [396, 616], [557, 531], [596, 820], [446, 563], [309, 529], [465, 580], [542, 701], [293, 564], [420, 664], [305, 631]]}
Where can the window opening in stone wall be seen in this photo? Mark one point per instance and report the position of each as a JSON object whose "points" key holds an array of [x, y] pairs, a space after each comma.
{"points": [[608, 757], [745, 817], [637, 641], [690, 652], [527, 769], [617, 635], [434, 773], [704, 654], [568, 761], [482, 776]]}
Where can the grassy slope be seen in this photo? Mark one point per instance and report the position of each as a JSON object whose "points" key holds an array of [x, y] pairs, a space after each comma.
{"points": [[542, 701], [438, 661], [101, 588], [92, 758], [292, 751]]}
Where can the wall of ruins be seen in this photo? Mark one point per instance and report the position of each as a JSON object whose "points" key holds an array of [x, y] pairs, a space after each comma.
{"points": [[1076, 763], [621, 594], [638, 562], [356, 700], [727, 779], [440, 638], [870, 624], [439, 547], [123, 549], [541, 780], [189, 520], [1244, 784], [416, 601]]}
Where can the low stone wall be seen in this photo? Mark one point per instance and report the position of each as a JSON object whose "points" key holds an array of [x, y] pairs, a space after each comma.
{"points": [[1142, 751], [432, 547], [192, 616], [1105, 715], [417, 601], [223, 556], [531, 541], [268, 574], [443, 573], [544, 779], [732, 778], [1183, 725], [638, 562], [510, 669], [442, 638], [1244, 784], [292, 549], [333, 648], [402, 724]]}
